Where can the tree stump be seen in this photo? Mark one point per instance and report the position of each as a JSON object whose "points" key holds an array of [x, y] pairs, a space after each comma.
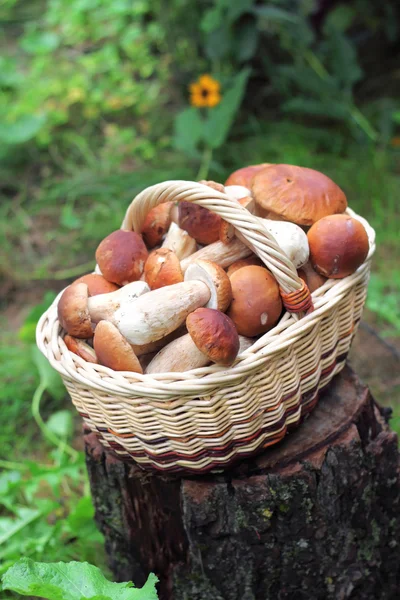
{"points": [[316, 516]]}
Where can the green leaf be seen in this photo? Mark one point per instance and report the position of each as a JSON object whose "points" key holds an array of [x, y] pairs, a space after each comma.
{"points": [[219, 43], [60, 423], [36, 42], [340, 18], [276, 15], [71, 581], [188, 129], [50, 380], [69, 218], [22, 130], [221, 117], [246, 40], [9, 526]]}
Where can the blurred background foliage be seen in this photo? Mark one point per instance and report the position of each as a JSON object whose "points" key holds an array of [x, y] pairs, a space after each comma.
{"points": [[95, 106]]}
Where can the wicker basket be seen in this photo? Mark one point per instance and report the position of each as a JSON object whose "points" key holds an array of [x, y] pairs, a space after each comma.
{"points": [[209, 417]]}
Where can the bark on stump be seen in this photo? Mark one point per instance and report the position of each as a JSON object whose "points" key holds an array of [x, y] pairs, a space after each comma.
{"points": [[317, 516]]}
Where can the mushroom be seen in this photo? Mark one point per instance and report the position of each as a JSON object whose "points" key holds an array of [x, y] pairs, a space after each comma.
{"points": [[200, 223], [219, 253], [179, 241], [313, 279], [236, 192], [290, 237], [296, 194], [154, 347], [161, 311], [73, 312], [80, 348], [212, 337], [97, 284], [244, 176], [162, 268], [256, 304], [113, 350], [338, 246], [156, 224], [244, 262], [110, 306], [121, 256]]}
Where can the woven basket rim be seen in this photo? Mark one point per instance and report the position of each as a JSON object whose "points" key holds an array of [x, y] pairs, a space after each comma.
{"points": [[202, 380]]}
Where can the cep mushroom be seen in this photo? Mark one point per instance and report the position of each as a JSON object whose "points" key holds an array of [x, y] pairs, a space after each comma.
{"points": [[311, 277], [200, 223], [290, 237], [121, 257], [296, 194], [219, 253], [113, 350], [73, 311], [156, 224], [161, 311], [256, 303], [244, 262], [245, 175], [111, 306], [212, 337], [338, 246], [80, 348], [179, 241], [162, 268], [97, 284]]}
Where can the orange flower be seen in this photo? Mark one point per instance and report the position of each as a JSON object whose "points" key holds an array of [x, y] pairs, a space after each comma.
{"points": [[205, 92]]}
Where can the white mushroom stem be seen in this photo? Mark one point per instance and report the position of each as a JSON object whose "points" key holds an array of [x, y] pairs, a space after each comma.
{"points": [[244, 343], [156, 314], [104, 306], [290, 238], [182, 355], [179, 241], [154, 347], [217, 252], [236, 192]]}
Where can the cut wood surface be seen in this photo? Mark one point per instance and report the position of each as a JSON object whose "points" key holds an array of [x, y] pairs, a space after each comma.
{"points": [[316, 516]]}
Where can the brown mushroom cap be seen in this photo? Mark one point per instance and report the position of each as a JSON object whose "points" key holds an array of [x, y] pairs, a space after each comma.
{"points": [[244, 262], [80, 348], [121, 256], [256, 305], [244, 176], [214, 334], [97, 284], [200, 223], [338, 246], [113, 350], [311, 277], [297, 194], [216, 280], [162, 268], [73, 312], [156, 224]]}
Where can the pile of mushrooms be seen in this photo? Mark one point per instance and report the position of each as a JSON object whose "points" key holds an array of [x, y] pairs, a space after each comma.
{"points": [[188, 291]]}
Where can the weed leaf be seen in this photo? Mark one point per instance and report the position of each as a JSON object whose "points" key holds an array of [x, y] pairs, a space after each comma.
{"points": [[71, 581]]}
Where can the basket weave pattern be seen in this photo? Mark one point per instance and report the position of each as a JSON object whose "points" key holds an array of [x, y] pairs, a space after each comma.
{"points": [[206, 418]]}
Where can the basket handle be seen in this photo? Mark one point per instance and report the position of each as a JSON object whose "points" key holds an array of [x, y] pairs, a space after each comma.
{"points": [[295, 294]]}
